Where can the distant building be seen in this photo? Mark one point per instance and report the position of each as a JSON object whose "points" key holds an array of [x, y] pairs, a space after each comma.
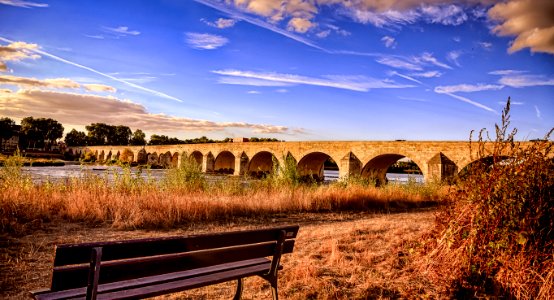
{"points": [[240, 140], [10, 145]]}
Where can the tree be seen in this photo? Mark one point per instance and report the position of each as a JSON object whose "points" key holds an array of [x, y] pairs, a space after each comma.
{"points": [[138, 138], [98, 133], [120, 136], [76, 138], [7, 126], [158, 140], [42, 132]]}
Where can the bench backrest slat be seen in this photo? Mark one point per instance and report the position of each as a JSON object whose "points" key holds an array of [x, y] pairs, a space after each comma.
{"points": [[164, 255], [69, 254]]}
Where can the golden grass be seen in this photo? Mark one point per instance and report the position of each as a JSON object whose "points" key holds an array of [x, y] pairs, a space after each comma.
{"points": [[337, 256], [130, 202]]}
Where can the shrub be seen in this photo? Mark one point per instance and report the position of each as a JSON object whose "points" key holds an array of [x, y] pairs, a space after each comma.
{"points": [[497, 237]]}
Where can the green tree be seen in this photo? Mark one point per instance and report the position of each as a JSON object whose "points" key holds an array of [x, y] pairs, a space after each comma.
{"points": [[7, 126], [158, 140], [42, 132], [138, 138], [120, 135], [76, 138], [98, 133]]}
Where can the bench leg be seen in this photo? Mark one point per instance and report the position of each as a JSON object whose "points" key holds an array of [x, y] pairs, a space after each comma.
{"points": [[238, 294], [274, 292]]}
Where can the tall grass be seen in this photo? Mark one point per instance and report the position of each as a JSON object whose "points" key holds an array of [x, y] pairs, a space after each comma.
{"points": [[128, 200], [497, 237]]}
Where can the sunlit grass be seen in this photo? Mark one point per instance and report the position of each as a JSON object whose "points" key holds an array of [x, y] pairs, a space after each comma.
{"points": [[129, 200]]}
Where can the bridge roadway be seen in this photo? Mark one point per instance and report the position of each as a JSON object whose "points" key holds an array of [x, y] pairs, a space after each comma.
{"points": [[437, 160]]}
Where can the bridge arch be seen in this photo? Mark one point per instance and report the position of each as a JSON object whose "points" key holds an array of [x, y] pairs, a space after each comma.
{"points": [[175, 160], [224, 163], [261, 164], [376, 168], [486, 162], [196, 156], [313, 164]]}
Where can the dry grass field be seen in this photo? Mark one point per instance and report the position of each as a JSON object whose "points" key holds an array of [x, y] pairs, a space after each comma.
{"points": [[337, 256]]}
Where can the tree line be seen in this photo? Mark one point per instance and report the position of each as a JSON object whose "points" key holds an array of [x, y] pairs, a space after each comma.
{"points": [[44, 133]]}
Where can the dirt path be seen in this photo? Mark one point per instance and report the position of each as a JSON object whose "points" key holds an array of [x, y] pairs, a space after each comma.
{"points": [[337, 256]]}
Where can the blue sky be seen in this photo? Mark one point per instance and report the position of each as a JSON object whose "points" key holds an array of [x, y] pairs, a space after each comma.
{"points": [[293, 70]]}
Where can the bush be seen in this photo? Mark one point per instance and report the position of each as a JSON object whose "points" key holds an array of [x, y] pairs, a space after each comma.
{"points": [[497, 237]]}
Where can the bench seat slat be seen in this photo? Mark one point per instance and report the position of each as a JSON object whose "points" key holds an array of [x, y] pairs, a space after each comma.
{"points": [[185, 284], [80, 253], [263, 263]]}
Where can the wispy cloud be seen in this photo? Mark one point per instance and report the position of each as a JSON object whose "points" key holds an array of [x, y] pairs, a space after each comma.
{"points": [[220, 23], [453, 56], [253, 92], [413, 99], [399, 63], [205, 41], [519, 81], [389, 42], [538, 112], [121, 30], [354, 83], [412, 63], [16, 51], [68, 108], [257, 22], [429, 74], [467, 88], [507, 72], [130, 84], [22, 3], [95, 36]]}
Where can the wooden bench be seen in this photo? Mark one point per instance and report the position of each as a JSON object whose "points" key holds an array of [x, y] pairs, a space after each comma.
{"points": [[150, 267]]}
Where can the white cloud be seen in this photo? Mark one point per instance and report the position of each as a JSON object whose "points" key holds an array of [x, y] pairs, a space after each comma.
{"points": [[486, 45], [282, 91], [95, 36], [65, 61], [221, 23], [16, 51], [300, 25], [429, 58], [354, 83], [323, 34], [70, 107], [94, 87], [453, 56], [467, 88], [253, 92], [389, 42], [22, 3], [445, 15], [519, 81], [399, 63], [205, 41], [121, 31], [507, 72], [412, 63], [250, 81], [429, 74]]}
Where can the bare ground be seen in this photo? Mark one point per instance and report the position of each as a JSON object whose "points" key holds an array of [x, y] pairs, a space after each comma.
{"points": [[337, 256]]}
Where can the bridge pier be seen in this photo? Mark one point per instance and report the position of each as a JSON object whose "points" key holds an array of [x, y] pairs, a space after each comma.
{"points": [[349, 165], [441, 168], [208, 163]]}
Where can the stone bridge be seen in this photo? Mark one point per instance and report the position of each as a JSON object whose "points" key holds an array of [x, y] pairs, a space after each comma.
{"points": [[437, 160]]}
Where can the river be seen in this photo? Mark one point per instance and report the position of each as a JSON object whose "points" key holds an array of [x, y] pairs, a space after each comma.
{"points": [[43, 174]]}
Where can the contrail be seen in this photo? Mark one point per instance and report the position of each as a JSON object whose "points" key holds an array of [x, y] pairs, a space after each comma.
{"points": [[55, 57], [260, 23]]}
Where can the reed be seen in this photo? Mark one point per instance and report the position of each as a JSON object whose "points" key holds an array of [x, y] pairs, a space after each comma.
{"points": [[129, 201], [496, 239]]}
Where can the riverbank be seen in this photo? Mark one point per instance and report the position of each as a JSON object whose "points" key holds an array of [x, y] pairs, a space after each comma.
{"points": [[35, 162]]}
